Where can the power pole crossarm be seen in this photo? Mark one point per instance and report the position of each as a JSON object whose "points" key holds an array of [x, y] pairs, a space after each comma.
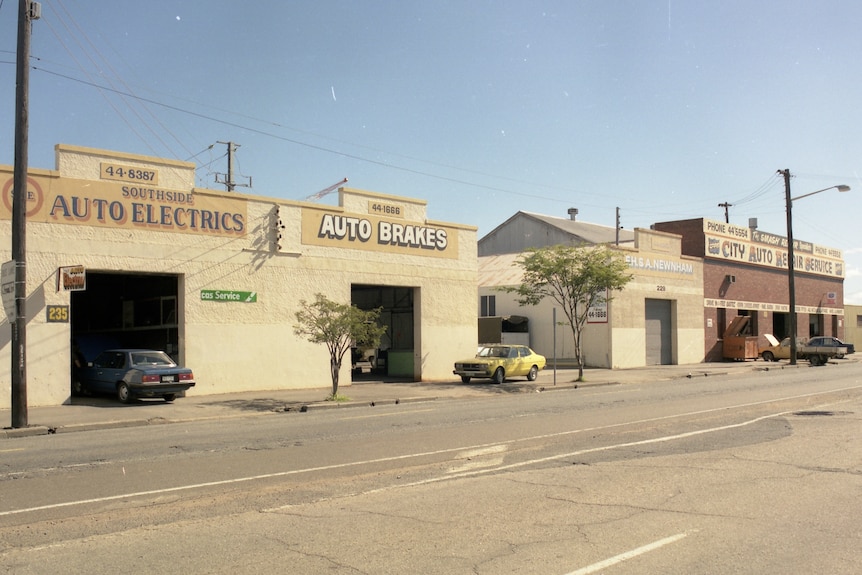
{"points": [[725, 205], [230, 182]]}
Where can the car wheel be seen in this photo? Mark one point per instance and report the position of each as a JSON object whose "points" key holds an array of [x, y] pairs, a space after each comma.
{"points": [[124, 394], [768, 356], [839, 356], [499, 375], [169, 397], [465, 379], [533, 373]]}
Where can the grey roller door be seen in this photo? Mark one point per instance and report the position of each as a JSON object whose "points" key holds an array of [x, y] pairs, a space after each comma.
{"points": [[658, 332]]}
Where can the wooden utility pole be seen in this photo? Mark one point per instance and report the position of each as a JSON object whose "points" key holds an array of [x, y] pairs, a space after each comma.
{"points": [[791, 271], [230, 182], [725, 205], [27, 11]]}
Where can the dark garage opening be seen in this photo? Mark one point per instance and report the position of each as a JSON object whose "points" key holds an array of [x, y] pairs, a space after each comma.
{"points": [[393, 359], [125, 310]]}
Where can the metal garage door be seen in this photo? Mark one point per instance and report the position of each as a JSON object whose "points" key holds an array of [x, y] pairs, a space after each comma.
{"points": [[658, 332]]}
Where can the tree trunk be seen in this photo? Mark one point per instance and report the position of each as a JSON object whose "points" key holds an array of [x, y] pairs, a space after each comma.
{"points": [[580, 357], [335, 370]]}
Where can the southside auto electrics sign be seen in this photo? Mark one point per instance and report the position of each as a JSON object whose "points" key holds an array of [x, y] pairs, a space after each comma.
{"points": [[372, 233], [112, 204]]}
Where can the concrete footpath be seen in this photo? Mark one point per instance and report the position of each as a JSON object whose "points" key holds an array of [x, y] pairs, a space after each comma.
{"points": [[92, 413]]}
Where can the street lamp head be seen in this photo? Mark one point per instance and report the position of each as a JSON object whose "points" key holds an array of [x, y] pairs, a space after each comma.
{"points": [[840, 188]]}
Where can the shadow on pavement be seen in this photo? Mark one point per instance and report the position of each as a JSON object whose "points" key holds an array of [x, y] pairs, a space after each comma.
{"points": [[113, 403], [258, 405]]}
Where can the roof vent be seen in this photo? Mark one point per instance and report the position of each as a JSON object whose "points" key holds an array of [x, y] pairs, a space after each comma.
{"points": [[752, 223], [573, 213]]}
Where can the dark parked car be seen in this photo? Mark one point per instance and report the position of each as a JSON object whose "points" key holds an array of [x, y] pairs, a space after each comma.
{"points": [[826, 341], [132, 373]]}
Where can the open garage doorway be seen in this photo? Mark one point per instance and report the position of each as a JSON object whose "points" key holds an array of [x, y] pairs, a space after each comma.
{"points": [[126, 310], [780, 325], [393, 358]]}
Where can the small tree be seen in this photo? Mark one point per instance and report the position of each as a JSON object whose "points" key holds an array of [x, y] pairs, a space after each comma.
{"points": [[340, 326], [577, 278]]}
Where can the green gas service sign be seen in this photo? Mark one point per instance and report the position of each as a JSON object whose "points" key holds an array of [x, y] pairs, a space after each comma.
{"points": [[224, 295]]}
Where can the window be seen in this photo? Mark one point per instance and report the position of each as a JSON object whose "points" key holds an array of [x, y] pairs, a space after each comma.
{"points": [[859, 321], [110, 360], [488, 306]]}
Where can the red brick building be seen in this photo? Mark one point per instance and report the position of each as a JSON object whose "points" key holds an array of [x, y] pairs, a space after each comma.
{"points": [[745, 274]]}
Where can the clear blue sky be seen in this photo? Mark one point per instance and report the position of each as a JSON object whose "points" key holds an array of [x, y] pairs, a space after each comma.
{"points": [[661, 108]]}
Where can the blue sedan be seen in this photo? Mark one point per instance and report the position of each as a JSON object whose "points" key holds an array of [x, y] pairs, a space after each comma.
{"points": [[133, 373]]}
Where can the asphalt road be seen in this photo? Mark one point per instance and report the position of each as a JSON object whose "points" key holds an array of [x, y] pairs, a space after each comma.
{"points": [[756, 473]]}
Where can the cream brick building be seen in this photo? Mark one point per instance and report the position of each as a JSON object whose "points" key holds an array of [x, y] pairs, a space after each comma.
{"points": [[656, 319], [215, 278]]}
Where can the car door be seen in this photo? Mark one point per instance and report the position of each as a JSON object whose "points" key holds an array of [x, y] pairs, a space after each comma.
{"points": [[518, 361], [108, 368], [508, 360]]}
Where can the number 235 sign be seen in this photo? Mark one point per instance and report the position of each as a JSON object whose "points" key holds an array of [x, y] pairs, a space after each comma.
{"points": [[57, 313]]}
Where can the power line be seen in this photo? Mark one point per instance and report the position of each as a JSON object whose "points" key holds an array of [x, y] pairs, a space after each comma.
{"points": [[762, 189], [208, 148], [308, 145], [665, 211], [81, 33], [107, 100], [321, 148]]}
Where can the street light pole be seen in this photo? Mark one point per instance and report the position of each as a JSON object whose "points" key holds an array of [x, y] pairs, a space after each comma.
{"points": [[791, 271]]}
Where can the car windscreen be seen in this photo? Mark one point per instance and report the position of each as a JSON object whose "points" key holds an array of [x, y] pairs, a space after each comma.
{"points": [[493, 352]]}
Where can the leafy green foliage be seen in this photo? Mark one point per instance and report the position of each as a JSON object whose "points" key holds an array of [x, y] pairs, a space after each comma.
{"points": [[339, 326], [576, 278]]}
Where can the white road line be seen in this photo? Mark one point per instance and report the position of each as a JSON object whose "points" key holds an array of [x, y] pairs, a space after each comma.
{"points": [[476, 472], [222, 482], [490, 450], [455, 449], [478, 458], [628, 555], [479, 464]]}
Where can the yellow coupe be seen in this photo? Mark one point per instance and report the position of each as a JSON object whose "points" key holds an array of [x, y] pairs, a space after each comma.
{"points": [[500, 361]]}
